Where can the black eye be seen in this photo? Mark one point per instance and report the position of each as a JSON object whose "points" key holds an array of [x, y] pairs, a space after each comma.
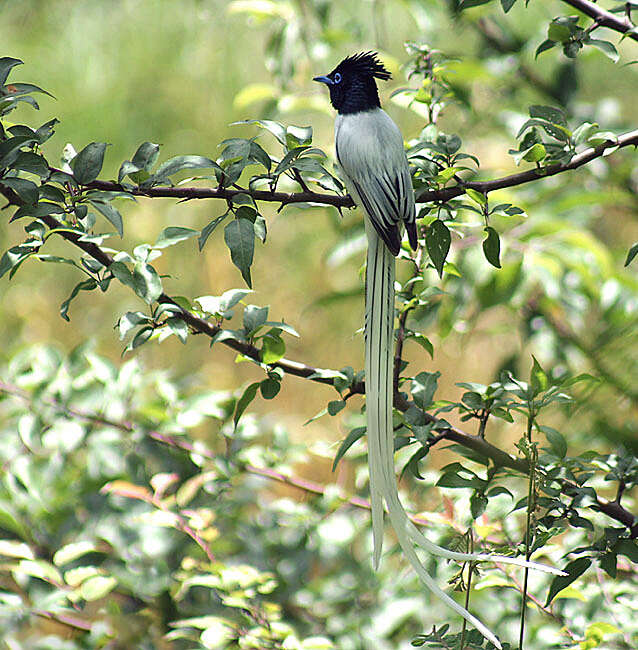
{"points": [[337, 77]]}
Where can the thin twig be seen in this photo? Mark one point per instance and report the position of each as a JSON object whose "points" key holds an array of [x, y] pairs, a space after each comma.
{"points": [[604, 18]]}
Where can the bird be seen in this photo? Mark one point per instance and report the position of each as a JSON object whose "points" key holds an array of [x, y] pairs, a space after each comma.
{"points": [[371, 154]]}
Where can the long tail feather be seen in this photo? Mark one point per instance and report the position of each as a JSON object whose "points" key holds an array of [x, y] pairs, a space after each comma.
{"points": [[379, 395]]}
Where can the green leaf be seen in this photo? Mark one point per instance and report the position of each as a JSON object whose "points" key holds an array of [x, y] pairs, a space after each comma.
{"points": [[538, 378], [254, 318], [25, 189], [179, 163], [146, 282], [146, 156], [172, 235], [628, 548], [130, 320], [549, 113], [111, 213], [478, 503], [437, 241], [207, 231], [298, 136], [242, 403], [85, 285], [606, 47], [15, 256], [547, 44], [12, 146], [273, 348], [633, 251], [556, 440], [477, 197], [6, 63], [492, 247], [535, 153], [276, 128], [423, 387], [72, 552], [608, 563], [269, 388], [335, 406], [507, 4], [88, 163], [349, 440], [457, 476], [467, 4], [574, 570], [97, 587], [239, 236]]}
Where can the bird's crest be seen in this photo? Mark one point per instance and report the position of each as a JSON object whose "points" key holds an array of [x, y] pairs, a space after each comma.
{"points": [[364, 63]]}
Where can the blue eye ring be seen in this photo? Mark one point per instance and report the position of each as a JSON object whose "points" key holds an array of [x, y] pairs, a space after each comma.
{"points": [[337, 77]]}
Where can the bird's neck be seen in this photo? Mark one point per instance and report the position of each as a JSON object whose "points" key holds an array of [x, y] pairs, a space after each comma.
{"points": [[361, 96]]}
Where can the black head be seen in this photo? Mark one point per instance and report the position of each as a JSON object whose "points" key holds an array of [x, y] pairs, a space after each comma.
{"points": [[352, 83]]}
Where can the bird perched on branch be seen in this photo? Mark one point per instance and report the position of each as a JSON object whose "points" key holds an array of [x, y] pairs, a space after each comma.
{"points": [[370, 151]]}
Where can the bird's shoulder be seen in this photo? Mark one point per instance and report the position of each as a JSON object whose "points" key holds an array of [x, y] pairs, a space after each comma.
{"points": [[367, 135]]}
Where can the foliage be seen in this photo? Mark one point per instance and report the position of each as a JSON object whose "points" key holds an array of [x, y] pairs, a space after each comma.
{"points": [[133, 508]]}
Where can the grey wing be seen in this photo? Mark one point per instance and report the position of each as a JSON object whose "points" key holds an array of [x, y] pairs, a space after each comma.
{"points": [[379, 175]]}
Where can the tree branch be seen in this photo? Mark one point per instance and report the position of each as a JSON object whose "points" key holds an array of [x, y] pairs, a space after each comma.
{"points": [[604, 18], [345, 201]]}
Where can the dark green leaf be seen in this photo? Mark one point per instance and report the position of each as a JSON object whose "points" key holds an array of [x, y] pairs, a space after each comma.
{"points": [[478, 503], [6, 63], [544, 46], [86, 285], [208, 230], [608, 563], [16, 255], [437, 241], [10, 148], [142, 336], [269, 388], [88, 163], [492, 247], [335, 406], [574, 570], [467, 4], [507, 4], [633, 251], [239, 236], [628, 548], [26, 190], [424, 386], [556, 440], [27, 161], [242, 403], [549, 113], [349, 440]]}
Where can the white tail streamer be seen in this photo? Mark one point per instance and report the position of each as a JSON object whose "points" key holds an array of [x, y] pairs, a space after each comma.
{"points": [[379, 374]]}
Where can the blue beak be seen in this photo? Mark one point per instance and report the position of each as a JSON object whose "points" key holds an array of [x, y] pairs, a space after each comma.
{"points": [[324, 80]]}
